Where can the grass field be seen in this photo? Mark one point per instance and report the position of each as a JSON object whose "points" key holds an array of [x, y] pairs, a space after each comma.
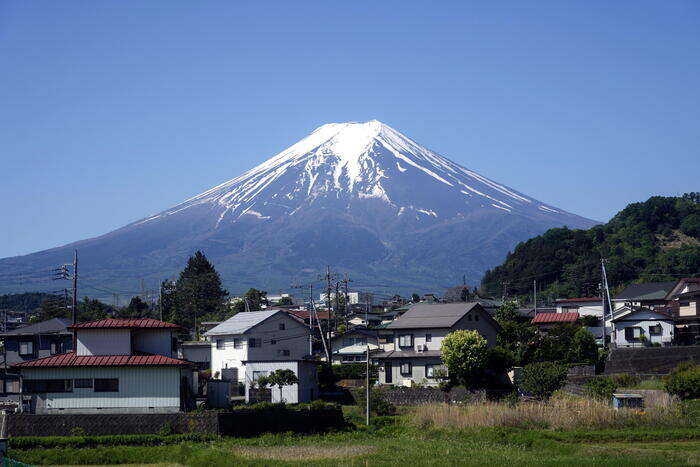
{"points": [[400, 440]]}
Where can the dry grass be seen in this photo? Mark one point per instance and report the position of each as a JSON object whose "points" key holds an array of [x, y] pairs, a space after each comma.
{"points": [[302, 453], [563, 413]]}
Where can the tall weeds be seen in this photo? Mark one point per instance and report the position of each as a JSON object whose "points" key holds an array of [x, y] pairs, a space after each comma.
{"points": [[563, 414]]}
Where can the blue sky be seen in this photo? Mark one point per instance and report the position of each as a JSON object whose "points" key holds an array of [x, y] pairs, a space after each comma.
{"points": [[111, 111]]}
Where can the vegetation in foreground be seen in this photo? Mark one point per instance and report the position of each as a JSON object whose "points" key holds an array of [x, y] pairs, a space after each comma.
{"points": [[409, 438]]}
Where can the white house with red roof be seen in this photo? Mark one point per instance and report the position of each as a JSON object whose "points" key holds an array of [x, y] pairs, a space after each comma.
{"points": [[119, 366]]}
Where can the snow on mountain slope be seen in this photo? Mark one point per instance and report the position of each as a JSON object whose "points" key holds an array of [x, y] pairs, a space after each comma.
{"points": [[350, 161]]}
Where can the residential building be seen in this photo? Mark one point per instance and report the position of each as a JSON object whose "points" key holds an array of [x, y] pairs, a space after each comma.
{"points": [[269, 335], [275, 299], [585, 306], [546, 321], [354, 298], [119, 366], [414, 355], [306, 390], [196, 352], [683, 303], [647, 295], [50, 337], [351, 347], [641, 327]]}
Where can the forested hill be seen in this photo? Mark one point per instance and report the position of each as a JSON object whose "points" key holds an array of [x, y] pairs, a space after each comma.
{"points": [[656, 240]]}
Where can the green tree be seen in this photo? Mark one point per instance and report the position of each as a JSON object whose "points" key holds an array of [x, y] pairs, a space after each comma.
{"points": [[198, 293], [583, 348], [464, 353], [52, 307], [255, 299], [279, 378], [136, 308], [543, 378], [415, 298], [93, 309], [285, 301], [507, 312]]}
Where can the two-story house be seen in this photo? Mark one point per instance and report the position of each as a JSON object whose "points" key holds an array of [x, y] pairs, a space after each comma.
{"points": [[640, 327], [50, 337], [683, 303], [417, 340], [351, 347], [646, 294], [270, 335], [119, 366]]}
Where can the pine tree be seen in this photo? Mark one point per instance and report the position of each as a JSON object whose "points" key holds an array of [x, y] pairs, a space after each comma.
{"points": [[198, 293]]}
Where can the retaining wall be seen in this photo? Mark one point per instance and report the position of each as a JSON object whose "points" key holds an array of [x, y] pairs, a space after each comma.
{"points": [[649, 360]]}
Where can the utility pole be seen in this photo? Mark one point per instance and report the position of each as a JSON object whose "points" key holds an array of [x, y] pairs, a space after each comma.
{"points": [[505, 290], [605, 291], [346, 305], [328, 277], [75, 289], [312, 310], [337, 307], [367, 389], [160, 301], [534, 294]]}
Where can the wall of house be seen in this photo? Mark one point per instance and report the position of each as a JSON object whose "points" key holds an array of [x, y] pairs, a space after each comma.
{"points": [[339, 347], [104, 341], [295, 338], [644, 321], [153, 341], [305, 391], [141, 389], [42, 346], [417, 374], [688, 307]]}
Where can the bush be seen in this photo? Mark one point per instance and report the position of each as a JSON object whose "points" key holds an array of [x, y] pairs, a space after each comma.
{"points": [[601, 388], [355, 371], [47, 442], [542, 379], [464, 353], [624, 380], [378, 405], [684, 381]]}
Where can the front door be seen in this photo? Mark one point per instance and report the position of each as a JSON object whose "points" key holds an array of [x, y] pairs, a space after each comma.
{"points": [[387, 373]]}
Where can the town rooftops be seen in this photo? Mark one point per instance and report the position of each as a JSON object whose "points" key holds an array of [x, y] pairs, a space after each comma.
{"points": [[678, 286], [71, 359], [438, 315], [240, 323], [305, 314], [50, 326], [545, 318], [646, 291], [626, 312], [579, 299], [124, 323]]}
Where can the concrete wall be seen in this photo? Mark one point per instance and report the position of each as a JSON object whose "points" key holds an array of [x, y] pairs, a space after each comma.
{"points": [[305, 391], [155, 341], [140, 389], [104, 341], [295, 338], [650, 360]]}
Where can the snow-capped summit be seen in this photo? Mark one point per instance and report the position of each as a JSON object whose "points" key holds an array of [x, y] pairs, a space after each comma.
{"points": [[360, 196], [360, 161]]}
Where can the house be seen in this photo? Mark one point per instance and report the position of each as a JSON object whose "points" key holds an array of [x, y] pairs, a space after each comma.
{"points": [[351, 346], [546, 321], [269, 335], [306, 390], [196, 352], [414, 354], [354, 298], [640, 327], [647, 295], [50, 337], [683, 303], [118, 366], [585, 306]]}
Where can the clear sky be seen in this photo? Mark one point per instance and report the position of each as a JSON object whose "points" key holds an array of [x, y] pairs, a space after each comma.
{"points": [[113, 110]]}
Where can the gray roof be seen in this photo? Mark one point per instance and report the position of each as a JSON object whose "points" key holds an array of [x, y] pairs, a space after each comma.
{"points": [[646, 291], [406, 354], [50, 326], [240, 323], [438, 315]]}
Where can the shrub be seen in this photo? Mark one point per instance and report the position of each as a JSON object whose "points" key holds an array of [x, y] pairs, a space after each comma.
{"points": [[47, 442], [355, 371], [165, 430], [378, 404], [78, 431], [601, 388], [542, 379], [684, 381], [464, 353], [625, 380]]}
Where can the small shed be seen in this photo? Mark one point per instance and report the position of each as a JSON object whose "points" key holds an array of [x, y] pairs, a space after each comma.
{"points": [[628, 401]]}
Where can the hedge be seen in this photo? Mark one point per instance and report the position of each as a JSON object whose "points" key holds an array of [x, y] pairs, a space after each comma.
{"points": [[264, 417], [46, 442]]}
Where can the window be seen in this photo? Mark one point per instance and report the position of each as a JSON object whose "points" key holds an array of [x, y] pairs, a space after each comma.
{"points": [[238, 343], [26, 348], [258, 374], [406, 369], [476, 317], [633, 333], [383, 340], [283, 352], [429, 371], [469, 317], [82, 383], [387, 372], [428, 338], [273, 341], [56, 347], [219, 344], [406, 340], [684, 304], [281, 327], [254, 342], [106, 385], [47, 385], [656, 330]]}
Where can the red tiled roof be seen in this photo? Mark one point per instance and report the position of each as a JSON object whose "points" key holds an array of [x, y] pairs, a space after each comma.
{"points": [[71, 359], [124, 323], [555, 318], [303, 314], [580, 299]]}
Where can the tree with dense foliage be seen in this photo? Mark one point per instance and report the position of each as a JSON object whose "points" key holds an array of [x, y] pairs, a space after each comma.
{"points": [[137, 308], [684, 381], [507, 312], [464, 353], [285, 301], [196, 295], [279, 378], [658, 239], [27, 302], [583, 347], [90, 309], [415, 298], [543, 378], [601, 388], [255, 299]]}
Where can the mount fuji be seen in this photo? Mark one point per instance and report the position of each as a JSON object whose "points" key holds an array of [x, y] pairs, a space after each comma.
{"points": [[361, 197]]}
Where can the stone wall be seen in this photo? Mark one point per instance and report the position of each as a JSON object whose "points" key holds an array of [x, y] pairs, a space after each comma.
{"points": [[109, 424], [423, 396], [649, 360]]}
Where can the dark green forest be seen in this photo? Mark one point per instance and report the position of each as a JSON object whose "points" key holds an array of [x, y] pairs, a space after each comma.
{"points": [[30, 301], [655, 240]]}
